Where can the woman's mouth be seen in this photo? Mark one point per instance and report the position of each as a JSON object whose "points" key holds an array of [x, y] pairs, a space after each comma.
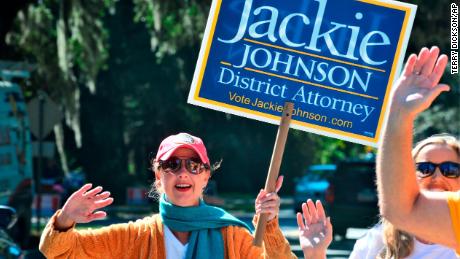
{"points": [[437, 188], [183, 187]]}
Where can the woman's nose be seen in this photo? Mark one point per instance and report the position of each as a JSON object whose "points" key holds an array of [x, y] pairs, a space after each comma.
{"points": [[437, 173], [182, 170]]}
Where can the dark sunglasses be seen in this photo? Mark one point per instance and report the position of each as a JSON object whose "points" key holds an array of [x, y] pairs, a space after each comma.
{"points": [[173, 165], [448, 169]]}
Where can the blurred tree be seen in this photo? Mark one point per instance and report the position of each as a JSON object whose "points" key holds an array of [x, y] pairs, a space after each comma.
{"points": [[68, 43], [172, 24]]}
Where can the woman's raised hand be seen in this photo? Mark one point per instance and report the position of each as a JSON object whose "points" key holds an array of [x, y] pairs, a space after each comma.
{"points": [[315, 230], [419, 84], [269, 202], [82, 206]]}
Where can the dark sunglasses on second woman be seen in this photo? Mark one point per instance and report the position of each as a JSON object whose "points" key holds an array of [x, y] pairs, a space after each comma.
{"points": [[448, 169], [193, 165]]}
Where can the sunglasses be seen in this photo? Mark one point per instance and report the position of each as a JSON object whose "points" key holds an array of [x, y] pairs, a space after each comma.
{"points": [[448, 169], [174, 164]]}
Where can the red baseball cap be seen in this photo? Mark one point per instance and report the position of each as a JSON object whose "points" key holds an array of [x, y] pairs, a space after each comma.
{"points": [[173, 142]]}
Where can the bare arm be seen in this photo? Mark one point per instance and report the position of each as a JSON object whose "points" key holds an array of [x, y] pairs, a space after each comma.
{"points": [[425, 214]]}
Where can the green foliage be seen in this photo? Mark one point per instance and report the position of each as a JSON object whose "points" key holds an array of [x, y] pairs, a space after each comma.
{"points": [[32, 35], [172, 24], [68, 42], [68, 35]]}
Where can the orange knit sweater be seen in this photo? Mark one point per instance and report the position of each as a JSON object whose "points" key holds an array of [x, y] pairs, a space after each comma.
{"points": [[144, 238]]}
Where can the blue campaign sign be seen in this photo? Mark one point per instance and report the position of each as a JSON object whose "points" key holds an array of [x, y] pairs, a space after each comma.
{"points": [[336, 60]]}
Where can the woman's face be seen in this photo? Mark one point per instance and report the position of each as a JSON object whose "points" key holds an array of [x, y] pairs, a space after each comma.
{"points": [[438, 153], [182, 187]]}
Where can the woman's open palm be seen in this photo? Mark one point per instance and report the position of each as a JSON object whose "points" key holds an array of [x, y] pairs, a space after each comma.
{"points": [[315, 230], [419, 84], [81, 206]]}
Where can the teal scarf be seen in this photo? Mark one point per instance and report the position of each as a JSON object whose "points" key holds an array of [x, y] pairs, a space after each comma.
{"points": [[204, 222]]}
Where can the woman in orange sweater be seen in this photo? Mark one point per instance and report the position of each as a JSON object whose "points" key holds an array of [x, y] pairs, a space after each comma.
{"points": [[184, 228]]}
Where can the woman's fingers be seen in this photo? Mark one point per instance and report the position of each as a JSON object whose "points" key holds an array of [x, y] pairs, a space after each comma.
{"points": [[96, 215], [102, 203], [83, 189], [81, 204], [270, 207], [421, 59], [410, 65], [431, 61], [73, 203], [300, 221], [427, 68], [306, 214], [264, 196], [268, 197], [93, 192], [272, 212], [268, 204], [101, 196], [87, 210], [313, 212], [328, 225], [259, 197], [320, 211], [279, 183], [438, 70], [435, 92]]}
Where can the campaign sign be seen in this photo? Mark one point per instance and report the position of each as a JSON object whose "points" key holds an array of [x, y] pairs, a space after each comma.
{"points": [[336, 60]]}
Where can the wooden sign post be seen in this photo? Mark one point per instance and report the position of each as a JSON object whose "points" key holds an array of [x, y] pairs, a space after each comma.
{"points": [[275, 164]]}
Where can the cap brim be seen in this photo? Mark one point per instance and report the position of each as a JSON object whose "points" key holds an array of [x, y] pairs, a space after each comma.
{"points": [[168, 154]]}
